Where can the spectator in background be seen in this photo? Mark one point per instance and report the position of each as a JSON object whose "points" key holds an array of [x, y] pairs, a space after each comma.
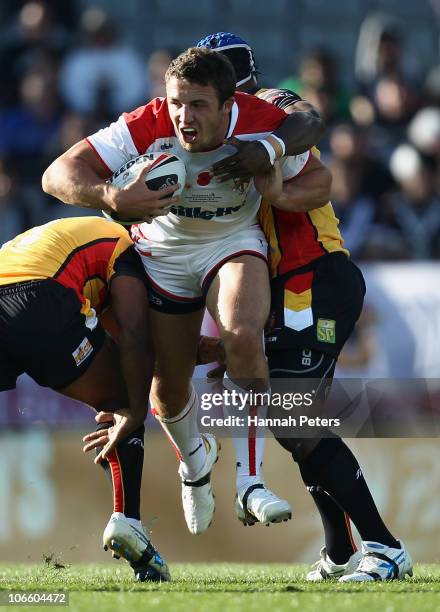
{"points": [[34, 40], [73, 128], [424, 134], [103, 75], [432, 86], [359, 181], [413, 211], [354, 209], [157, 65], [386, 116], [28, 131], [388, 84], [349, 144], [318, 83], [13, 213], [380, 53]]}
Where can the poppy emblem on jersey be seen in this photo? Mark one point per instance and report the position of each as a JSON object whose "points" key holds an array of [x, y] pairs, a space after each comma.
{"points": [[203, 179]]}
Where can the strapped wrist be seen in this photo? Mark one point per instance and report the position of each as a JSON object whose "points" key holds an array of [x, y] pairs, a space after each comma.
{"points": [[278, 144], [270, 150]]}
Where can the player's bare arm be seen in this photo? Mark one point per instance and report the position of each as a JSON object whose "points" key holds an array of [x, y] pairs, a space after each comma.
{"points": [[134, 340], [299, 132], [78, 178], [309, 190], [136, 361], [270, 185]]}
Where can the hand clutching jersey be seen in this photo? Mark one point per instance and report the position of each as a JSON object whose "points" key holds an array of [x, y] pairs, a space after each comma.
{"points": [[208, 210]]}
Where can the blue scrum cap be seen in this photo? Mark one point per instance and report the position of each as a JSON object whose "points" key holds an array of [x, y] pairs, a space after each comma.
{"points": [[238, 52]]}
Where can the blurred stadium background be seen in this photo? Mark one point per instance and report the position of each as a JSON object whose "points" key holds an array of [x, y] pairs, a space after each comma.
{"points": [[372, 68]]}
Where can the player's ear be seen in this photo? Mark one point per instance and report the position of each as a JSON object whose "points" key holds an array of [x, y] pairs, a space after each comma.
{"points": [[227, 105]]}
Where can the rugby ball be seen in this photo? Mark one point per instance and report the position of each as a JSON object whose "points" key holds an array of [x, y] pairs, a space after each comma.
{"points": [[166, 170]]}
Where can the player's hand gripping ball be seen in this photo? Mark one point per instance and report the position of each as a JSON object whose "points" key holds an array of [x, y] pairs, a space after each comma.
{"points": [[165, 170]]}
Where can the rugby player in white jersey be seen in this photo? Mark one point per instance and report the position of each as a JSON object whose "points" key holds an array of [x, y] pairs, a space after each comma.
{"points": [[207, 248]]}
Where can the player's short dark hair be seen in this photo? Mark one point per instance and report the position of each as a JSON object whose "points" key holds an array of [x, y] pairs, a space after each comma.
{"points": [[205, 67]]}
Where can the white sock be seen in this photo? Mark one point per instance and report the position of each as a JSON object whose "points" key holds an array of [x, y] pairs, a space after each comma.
{"points": [[131, 521], [183, 432], [249, 446], [135, 523]]}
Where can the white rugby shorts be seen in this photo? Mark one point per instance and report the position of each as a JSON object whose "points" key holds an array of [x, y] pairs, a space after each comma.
{"points": [[184, 278]]}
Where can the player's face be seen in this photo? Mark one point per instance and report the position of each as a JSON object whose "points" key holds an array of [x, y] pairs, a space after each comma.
{"points": [[200, 123]]}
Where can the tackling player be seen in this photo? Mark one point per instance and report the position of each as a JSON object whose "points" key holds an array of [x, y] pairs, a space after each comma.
{"points": [[317, 296], [55, 281], [209, 247]]}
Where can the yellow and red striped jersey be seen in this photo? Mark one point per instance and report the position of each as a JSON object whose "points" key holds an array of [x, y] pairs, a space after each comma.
{"points": [[295, 238], [80, 253]]}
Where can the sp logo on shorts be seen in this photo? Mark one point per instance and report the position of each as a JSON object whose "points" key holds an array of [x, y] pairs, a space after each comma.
{"points": [[82, 352], [326, 330]]}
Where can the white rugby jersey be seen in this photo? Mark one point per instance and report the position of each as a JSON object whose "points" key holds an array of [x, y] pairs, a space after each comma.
{"points": [[207, 210]]}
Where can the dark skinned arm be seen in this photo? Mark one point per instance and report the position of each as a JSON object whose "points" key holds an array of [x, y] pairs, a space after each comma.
{"points": [[134, 339], [300, 131], [135, 348]]}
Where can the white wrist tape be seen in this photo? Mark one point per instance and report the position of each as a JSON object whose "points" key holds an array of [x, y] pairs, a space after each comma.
{"points": [[281, 143], [269, 148]]}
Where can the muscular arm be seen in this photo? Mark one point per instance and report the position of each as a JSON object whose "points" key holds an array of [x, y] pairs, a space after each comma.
{"points": [[136, 360], [78, 178], [309, 190], [134, 340], [301, 130]]}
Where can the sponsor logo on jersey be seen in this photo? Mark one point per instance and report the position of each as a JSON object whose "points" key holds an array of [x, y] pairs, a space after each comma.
{"points": [[198, 213], [165, 147], [326, 331], [82, 352]]}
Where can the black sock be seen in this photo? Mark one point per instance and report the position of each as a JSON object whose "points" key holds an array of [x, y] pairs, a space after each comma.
{"points": [[124, 470], [338, 539], [334, 468]]}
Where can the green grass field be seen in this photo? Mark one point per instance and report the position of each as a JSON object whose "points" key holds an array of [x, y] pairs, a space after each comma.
{"points": [[220, 587]]}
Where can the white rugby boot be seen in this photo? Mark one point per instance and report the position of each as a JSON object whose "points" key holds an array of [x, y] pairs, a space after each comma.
{"points": [[133, 544], [197, 496], [325, 569], [260, 505], [380, 562]]}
